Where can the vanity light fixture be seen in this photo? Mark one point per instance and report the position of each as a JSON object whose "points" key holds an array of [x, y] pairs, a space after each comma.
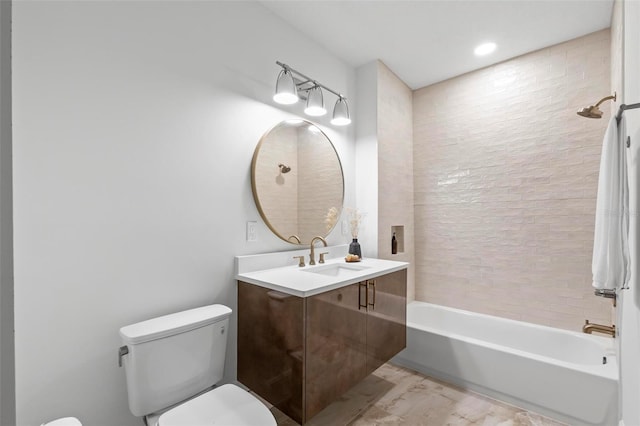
{"points": [[292, 86]]}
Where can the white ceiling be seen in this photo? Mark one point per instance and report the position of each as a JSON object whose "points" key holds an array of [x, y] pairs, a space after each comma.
{"points": [[426, 41]]}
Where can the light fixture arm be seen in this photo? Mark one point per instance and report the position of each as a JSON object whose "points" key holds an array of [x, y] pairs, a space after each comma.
{"points": [[309, 80]]}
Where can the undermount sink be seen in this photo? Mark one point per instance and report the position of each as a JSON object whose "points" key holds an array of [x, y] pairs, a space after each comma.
{"points": [[336, 269]]}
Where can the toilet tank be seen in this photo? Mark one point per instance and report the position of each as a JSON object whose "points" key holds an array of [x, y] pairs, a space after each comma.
{"points": [[173, 357]]}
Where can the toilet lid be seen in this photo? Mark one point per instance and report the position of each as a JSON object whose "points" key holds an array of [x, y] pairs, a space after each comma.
{"points": [[227, 405]]}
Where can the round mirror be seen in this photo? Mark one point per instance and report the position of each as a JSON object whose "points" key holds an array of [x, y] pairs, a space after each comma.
{"points": [[297, 181]]}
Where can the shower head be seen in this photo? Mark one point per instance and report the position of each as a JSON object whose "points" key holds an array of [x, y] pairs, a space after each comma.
{"points": [[593, 111], [284, 169], [590, 112]]}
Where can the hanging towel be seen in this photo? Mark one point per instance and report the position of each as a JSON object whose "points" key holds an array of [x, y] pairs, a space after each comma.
{"points": [[610, 265]]}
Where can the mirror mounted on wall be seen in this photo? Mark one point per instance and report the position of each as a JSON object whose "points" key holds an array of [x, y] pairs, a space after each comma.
{"points": [[297, 181]]}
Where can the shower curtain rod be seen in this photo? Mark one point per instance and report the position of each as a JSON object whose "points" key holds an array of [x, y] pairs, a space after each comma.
{"points": [[622, 109]]}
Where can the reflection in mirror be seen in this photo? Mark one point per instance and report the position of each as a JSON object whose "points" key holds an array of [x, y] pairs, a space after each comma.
{"points": [[297, 181]]}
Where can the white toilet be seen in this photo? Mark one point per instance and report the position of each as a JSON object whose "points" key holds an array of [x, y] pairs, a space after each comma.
{"points": [[169, 360]]}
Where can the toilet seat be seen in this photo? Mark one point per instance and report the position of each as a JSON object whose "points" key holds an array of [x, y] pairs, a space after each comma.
{"points": [[66, 421], [226, 405]]}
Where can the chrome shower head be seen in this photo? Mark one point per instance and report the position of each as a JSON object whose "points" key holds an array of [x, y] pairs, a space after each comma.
{"points": [[284, 169], [593, 111]]}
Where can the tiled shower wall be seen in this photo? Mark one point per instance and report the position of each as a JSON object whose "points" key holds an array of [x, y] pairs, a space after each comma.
{"points": [[279, 192], [291, 200], [505, 185]]}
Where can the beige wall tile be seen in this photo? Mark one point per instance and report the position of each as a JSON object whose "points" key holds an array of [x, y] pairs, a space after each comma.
{"points": [[505, 178]]}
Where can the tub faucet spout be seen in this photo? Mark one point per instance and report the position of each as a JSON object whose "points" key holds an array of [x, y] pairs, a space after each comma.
{"points": [[599, 328]]}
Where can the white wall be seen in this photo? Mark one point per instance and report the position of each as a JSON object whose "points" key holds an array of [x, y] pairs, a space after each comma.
{"points": [[7, 390], [367, 156], [395, 170], [134, 128], [629, 305]]}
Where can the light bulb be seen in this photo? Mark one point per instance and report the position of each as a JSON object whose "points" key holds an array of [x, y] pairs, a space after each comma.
{"points": [[286, 91], [315, 103], [341, 113]]}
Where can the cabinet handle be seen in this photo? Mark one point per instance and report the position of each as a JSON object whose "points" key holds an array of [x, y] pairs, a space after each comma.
{"points": [[366, 295], [373, 285]]}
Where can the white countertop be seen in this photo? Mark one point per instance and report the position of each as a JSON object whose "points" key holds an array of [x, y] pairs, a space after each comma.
{"points": [[303, 282]]}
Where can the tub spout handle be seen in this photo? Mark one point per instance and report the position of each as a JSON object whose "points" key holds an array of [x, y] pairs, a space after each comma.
{"points": [[589, 328], [606, 293]]}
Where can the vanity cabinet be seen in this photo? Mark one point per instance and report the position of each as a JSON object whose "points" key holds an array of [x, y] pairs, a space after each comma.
{"points": [[303, 353], [386, 319]]}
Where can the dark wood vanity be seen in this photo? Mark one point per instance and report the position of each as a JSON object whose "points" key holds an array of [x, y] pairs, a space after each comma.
{"points": [[303, 353]]}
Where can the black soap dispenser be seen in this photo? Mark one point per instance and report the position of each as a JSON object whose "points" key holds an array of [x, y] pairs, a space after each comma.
{"points": [[394, 244]]}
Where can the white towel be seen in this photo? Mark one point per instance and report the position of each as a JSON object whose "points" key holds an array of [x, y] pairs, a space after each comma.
{"points": [[610, 265]]}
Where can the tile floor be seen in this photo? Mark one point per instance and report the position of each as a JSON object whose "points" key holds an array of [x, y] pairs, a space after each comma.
{"points": [[394, 395]]}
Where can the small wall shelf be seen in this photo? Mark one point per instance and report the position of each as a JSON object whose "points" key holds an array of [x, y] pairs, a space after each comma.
{"points": [[399, 230]]}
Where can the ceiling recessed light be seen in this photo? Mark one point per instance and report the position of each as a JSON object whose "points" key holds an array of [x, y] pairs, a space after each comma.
{"points": [[484, 49]]}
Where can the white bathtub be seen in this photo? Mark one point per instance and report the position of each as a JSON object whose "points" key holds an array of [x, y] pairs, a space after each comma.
{"points": [[553, 372]]}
